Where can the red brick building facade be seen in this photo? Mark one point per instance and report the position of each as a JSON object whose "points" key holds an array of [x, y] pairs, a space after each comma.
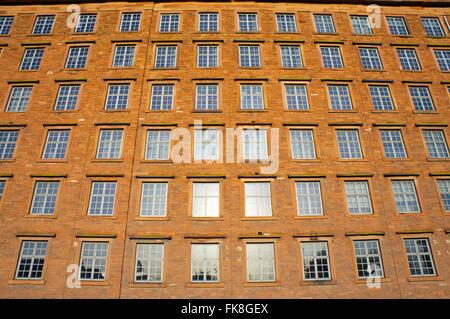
{"points": [[351, 102]]}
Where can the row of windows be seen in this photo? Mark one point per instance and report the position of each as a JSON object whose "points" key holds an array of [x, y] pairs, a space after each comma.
{"points": [[206, 198], [208, 144], [207, 97], [246, 22], [249, 57], [260, 258]]}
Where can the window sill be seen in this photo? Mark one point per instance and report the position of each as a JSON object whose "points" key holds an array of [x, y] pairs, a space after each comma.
{"points": [[248, 32], [49, 161], [107, 161], [364, 281], [259, 219], [100, 217], [325, 33], [317, 282], [205, 285], [425, 112], [352, 160], [115, 111], [424, 279], [163, 69], [386, 111], [205, 219], [438, 159], [7, 160], [207, 111], [40, 35], [298, 111], [40, 216], [360, 215], [373, 70], [252, 111], [147, 285], [262, 284], [156, 219], [122, 68], [310, 217], [156, 162], [93, 283], [26, 282], [408, 214], [385, 159], [306, 161], [70, 70], [30, 70], [83, 33], [160, 111], [412, 71], [342, 111], [63, 111]]}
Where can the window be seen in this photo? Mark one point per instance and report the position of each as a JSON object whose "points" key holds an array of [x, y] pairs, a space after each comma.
{"points": [[361, 25], [208, 22], [405, 196], [302, 144], [339, 96], [169, 23], [331, 57], [248, 22], [381, 98], [443, 59], [316, 263], [86, 23], [408, 60], [205, 262], [249, 56], [124, 56], [444, 189], [260, 262], [67, 97], [8, 140], [252, 97], [370, 59], [158, 145], [291, 56], [56, 144], [77, 57], [358, 197], [102, 199], [149, 262], [110, 144], [296, 97], [117, 97], [44, 198], [206, 145], [207, 97], [43, 24], [397, 26], [393, 144], [348, 144], [166, 56], [208, 56], [154, 199], [2, 189], [255, 144], [31, 260], [420, 260], [130, 22], [258, 202], [205, 199], [5, 25], [32, 59], [436, 144], [19, 98], [162, 97], [309, 199], [286, 22], [433, 27], [93, 261], [421, 98], [324, 23], [368, 259]]}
